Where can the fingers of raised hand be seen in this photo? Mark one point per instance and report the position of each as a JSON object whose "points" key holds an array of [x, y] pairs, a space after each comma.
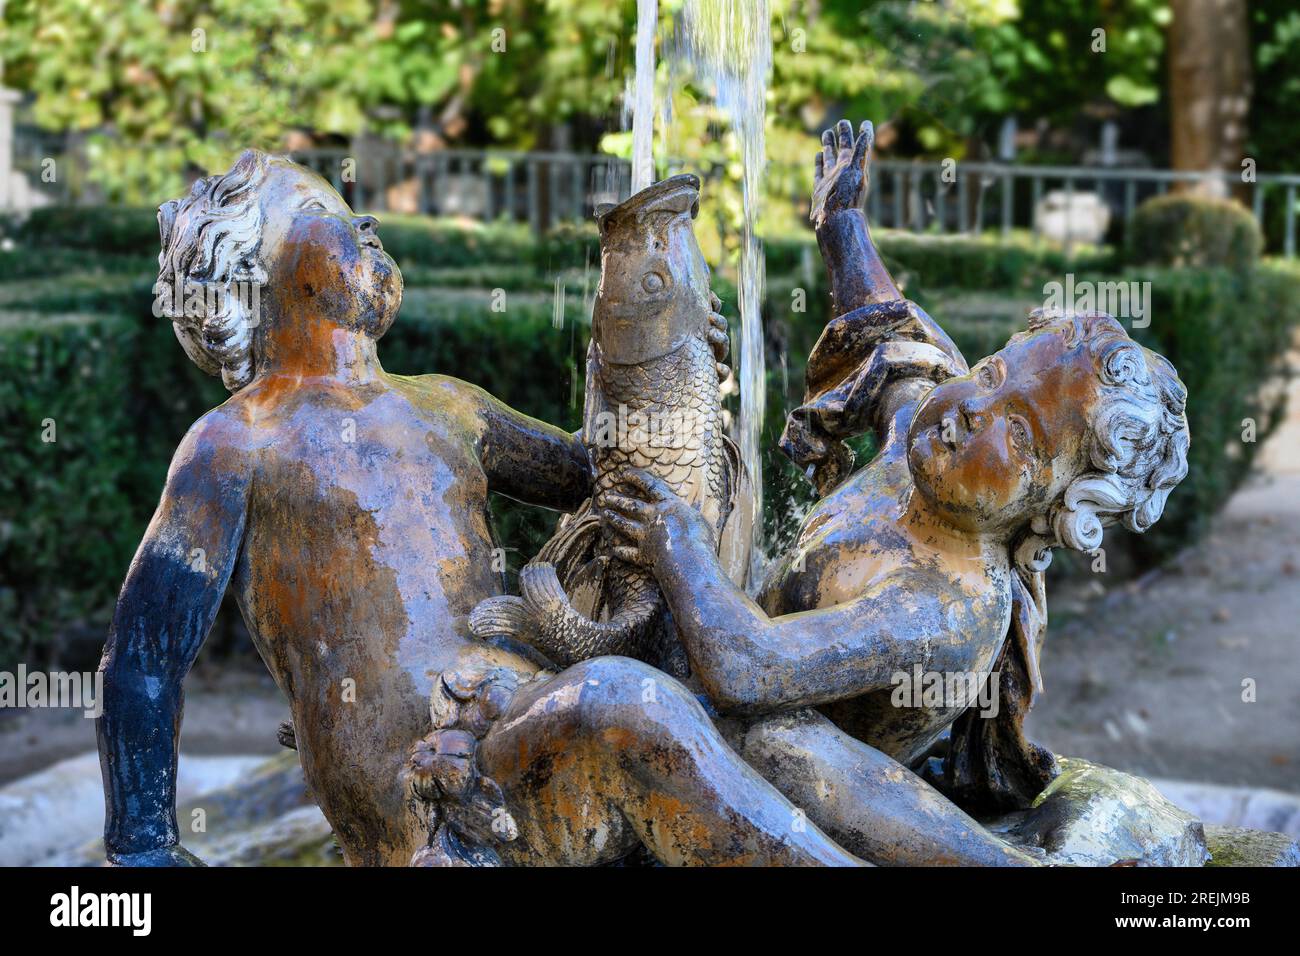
{"points": [[828, 147], [844, 130], [866, 136], [715, 304]]}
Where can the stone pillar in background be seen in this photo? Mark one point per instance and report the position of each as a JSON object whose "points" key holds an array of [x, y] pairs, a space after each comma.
{"points": [[1209, 88], [8, 180], [17, 193], [7, 100]]}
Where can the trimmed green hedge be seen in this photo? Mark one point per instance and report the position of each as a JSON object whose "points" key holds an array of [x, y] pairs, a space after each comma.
{"points": [[79, 345], [1227, 334], [114, 235], [1195, 232]]}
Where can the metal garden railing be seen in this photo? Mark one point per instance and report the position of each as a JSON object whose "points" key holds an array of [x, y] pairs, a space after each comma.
{"points": [[540, 188], [543, 188], [958, 197]]}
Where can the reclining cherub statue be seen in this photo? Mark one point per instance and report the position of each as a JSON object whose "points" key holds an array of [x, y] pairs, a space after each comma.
{"points": [[929, 558]]}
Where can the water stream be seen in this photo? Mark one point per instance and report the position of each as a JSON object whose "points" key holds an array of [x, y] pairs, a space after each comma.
{"points": [[643, 111], [728, 43]]}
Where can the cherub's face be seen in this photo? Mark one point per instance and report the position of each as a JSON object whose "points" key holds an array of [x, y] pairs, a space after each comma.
{"points": [[322, 256], [994, 448]]}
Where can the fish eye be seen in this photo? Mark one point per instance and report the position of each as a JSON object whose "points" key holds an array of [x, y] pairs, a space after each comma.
{"points": [[653, 282]]}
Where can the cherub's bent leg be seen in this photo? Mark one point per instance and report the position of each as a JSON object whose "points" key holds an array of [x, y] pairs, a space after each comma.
{"points": [[611, 751], [873, 805]]}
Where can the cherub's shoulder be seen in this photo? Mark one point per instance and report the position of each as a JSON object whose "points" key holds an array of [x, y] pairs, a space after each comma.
{"points": [[446, 385], [221, 439], [477, 409], [966, 595], [454, 396], [225, 424]]}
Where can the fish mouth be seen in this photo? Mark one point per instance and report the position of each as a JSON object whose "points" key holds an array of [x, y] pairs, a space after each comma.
{"points": [[640, 311], [680, 193]]}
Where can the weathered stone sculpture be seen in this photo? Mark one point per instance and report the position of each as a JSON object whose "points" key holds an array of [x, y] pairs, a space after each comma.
{"points": [[652, 401], [345, 507], [348, 509]]}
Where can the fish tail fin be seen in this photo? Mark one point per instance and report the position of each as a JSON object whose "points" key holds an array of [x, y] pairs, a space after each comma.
{"points": [[566, 635], [502, 615]]}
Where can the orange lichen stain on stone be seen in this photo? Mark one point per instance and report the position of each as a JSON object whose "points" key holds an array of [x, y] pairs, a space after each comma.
{"points": [[327, 612], [619, 738], [676, 827], [562, 804]]}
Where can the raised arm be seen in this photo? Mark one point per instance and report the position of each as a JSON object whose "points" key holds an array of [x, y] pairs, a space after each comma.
{"points": [[172, 592], [858, 275], [750, 663], [879, 354]]}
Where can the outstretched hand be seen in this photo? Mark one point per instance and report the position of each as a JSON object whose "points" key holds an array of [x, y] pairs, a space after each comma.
{"points": [[648, 519], [840, 170]]}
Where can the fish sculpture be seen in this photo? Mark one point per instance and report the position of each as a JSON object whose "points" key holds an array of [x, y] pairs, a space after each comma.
{"points": [[654, 402]]}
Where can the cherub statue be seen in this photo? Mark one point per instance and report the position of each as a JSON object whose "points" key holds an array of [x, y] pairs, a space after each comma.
{"points": [[929, 557]]}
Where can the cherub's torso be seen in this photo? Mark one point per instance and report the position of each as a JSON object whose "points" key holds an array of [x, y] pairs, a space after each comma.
{"points": [[856, 540], [367, 543]]}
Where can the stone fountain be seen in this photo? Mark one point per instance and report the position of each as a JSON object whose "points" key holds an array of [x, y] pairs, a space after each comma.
{"points": [[635, 702]]}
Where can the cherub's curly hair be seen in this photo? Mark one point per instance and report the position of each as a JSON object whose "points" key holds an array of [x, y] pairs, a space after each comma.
{"points": [[1137, 442], [210, 241]]}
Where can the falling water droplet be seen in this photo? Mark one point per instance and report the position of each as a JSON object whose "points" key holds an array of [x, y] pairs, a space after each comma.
{"points": [[557, 303]]}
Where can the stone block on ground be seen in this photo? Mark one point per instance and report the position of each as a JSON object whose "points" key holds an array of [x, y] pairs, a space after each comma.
{"points": [[1095, 816], [1242, 846]]}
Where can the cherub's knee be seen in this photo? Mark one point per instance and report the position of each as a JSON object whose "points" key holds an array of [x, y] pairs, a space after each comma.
{"points": [[623, 701]]}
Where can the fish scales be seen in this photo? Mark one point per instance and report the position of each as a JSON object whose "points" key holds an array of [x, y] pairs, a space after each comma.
{"points": [[676, 401]]}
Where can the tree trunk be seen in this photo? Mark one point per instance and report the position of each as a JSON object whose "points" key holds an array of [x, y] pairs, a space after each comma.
{"points": [[1209, 87]]}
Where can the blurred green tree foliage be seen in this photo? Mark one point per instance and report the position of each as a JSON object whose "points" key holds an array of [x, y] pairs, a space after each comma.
{"points": [[160, 86]]}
